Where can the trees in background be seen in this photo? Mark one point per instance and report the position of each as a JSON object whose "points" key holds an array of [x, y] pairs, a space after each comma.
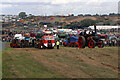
{"points": [[22, 15], [113, 14], [118, 22], [103, 15], [87, 22], [82, 24]]}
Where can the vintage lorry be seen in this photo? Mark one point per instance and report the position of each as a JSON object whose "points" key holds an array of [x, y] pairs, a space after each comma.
{"points": [[44, 41]]}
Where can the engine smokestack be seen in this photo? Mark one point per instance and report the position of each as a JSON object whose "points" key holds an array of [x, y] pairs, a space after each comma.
{"points": [[95, 28]]}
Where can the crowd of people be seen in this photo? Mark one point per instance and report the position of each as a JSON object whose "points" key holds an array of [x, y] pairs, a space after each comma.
{"points": [[8, 36], [110, 43]]}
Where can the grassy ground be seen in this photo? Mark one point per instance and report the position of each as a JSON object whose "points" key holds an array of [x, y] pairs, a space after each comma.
{"points": [[63, 63], [0, 64]]}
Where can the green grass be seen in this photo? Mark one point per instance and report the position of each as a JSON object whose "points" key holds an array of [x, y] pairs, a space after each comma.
{"points": [[8, 49], [22, 30], [66, 62], [0, 64], [19, 64], [87, 68]]}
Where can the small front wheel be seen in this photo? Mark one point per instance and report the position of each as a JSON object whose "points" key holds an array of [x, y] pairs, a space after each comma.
{"points": [[100, 44], [91, 43]]}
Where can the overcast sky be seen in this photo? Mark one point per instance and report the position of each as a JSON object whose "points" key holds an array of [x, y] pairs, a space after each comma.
{"points": [[55, 7]]}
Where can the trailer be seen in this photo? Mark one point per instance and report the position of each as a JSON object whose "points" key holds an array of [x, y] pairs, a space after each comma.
{"points": [[103, 36]]}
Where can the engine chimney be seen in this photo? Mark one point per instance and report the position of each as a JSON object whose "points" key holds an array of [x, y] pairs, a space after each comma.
{"points": [[95, 28]]}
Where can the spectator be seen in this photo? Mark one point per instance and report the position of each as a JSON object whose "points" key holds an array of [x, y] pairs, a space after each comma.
{"points": [[61, 42], [105, 43], [110, 43], [57, 44], [115, 43]]}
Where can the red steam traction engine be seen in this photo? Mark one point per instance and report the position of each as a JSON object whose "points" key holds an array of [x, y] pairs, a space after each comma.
{"points": [[90, 40]]}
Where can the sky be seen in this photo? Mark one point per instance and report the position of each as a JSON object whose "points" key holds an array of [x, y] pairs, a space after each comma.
{"points": [[58, 7]]}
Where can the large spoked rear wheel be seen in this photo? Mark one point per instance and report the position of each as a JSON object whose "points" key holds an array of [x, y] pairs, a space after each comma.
{"points": [[91, 43], [100, 44], [81, 42]]}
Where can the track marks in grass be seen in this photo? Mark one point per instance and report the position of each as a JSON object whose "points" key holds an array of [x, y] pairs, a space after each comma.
{"points": [[65, 62], [87, 59], [60, 67], [21, 64]]}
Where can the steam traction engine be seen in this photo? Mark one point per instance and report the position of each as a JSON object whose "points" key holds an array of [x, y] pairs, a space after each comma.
{"points": [[71, 41], [90, 40], [17, 41]]}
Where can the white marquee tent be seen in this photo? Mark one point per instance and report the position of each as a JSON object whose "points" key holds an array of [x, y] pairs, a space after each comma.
{"points": [[104, 27]]}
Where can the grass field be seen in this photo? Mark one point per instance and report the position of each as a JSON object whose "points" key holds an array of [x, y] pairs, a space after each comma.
{"points": [[63, 63]]}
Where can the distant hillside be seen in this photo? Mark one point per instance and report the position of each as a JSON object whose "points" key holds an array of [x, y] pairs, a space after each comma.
{"points": [[63, 21], [69, 19]]}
